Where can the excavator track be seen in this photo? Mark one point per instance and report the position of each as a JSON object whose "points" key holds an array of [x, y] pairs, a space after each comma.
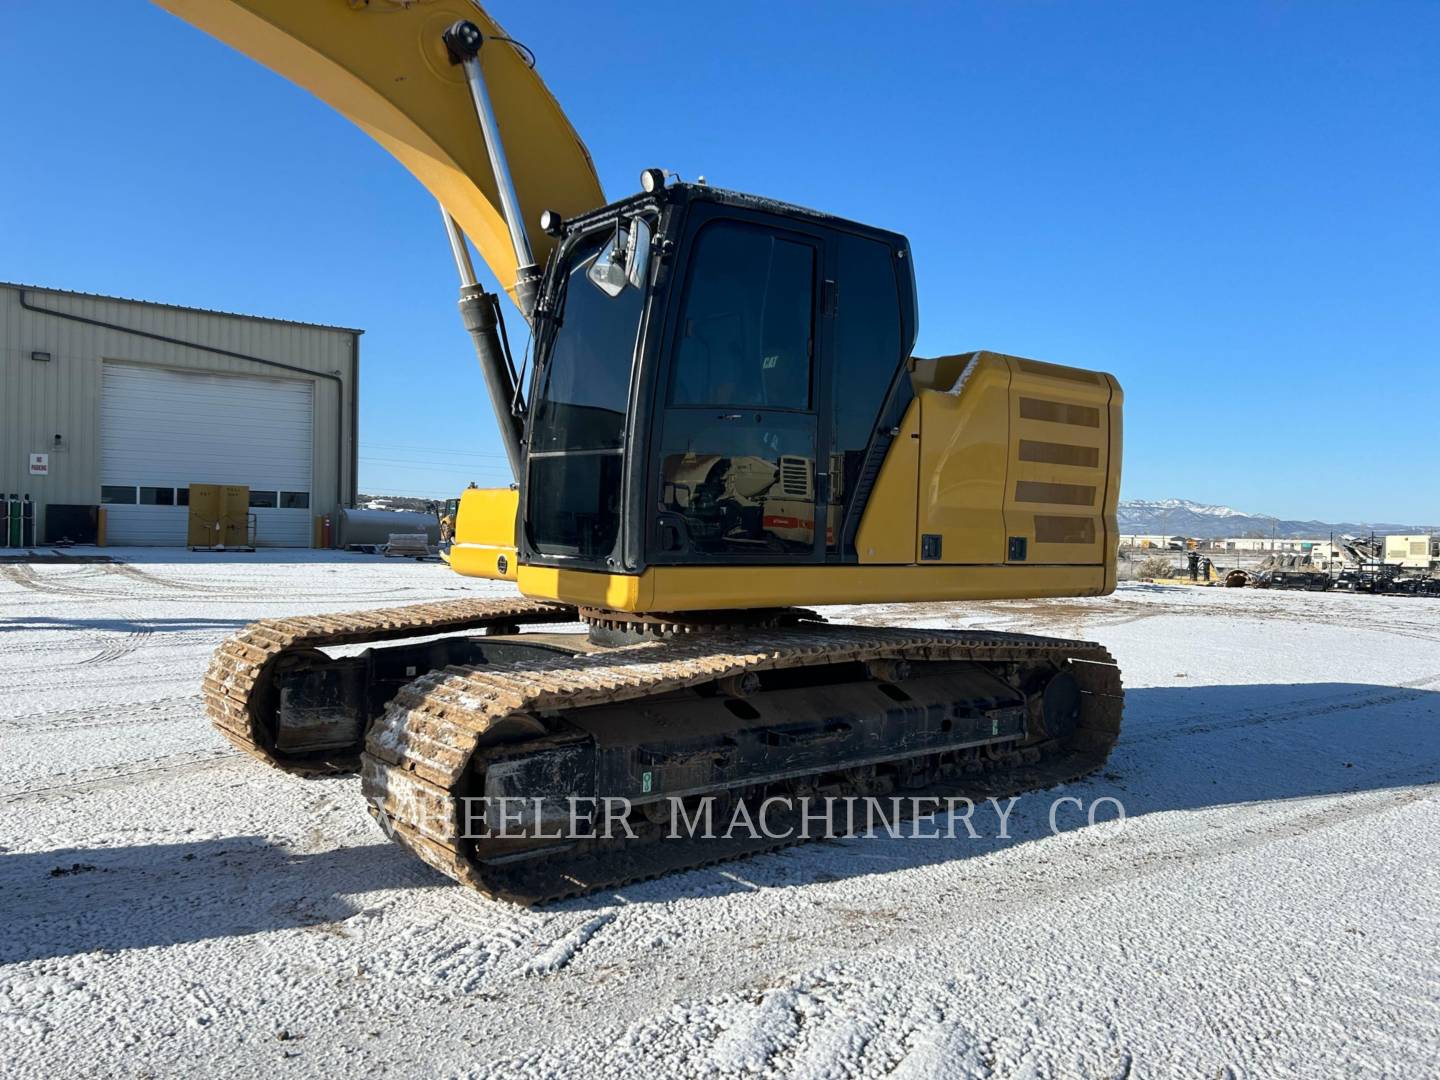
{"points": [[239, 691], [428, 753]]}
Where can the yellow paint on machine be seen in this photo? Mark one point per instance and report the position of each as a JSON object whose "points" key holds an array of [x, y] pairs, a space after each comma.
{"points": [[964, 442], [704, 588], [997, 449], [1060, 507], [993, 450], [484, 544], [385, 67]]}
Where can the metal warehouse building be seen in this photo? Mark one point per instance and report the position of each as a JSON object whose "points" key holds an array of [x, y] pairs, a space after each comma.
{"points": [[124, 404]]}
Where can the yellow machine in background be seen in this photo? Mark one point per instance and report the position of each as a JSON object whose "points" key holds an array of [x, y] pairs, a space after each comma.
{"points": [[724, 425]]}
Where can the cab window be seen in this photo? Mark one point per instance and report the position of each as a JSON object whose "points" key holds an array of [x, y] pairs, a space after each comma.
{"points": [[746, 329], [577, 435], [738, 442]]}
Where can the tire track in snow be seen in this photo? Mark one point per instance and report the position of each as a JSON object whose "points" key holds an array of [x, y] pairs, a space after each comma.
{"points": [[194, 588], [176, 707], [126, 645], [111, 680], [72, 584], [26, 577], [407, 953], [134, 573], [141, 772]]}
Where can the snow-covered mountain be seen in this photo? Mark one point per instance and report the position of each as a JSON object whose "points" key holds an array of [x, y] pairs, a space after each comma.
{"points": [[1161, 506], [1181, 517]]}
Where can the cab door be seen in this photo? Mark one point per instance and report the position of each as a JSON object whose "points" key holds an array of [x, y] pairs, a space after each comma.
{"points": [[734, 475]]}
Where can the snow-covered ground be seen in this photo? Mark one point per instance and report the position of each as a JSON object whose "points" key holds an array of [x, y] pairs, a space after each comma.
{"points": [[1270, 907]]}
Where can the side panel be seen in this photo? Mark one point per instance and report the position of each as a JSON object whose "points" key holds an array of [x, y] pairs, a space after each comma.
{"points": [[1009, 450], [1018, 462], [964, 447], [1058, 480], [485, 534]]}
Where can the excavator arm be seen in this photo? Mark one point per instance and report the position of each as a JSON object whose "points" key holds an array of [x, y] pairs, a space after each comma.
{"points": [[386, 65]]}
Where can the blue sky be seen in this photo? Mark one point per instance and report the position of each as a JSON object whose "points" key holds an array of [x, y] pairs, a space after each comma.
{"points": [[1234, 207]]}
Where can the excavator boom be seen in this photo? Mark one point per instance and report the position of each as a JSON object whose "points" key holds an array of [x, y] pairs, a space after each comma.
{"points": [[384, 64]]}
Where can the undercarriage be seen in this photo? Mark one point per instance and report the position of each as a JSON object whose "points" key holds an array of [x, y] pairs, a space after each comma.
{"points": [[533, 761]]}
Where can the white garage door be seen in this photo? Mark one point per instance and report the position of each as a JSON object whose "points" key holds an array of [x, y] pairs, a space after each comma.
{"points": [[161, 431]]}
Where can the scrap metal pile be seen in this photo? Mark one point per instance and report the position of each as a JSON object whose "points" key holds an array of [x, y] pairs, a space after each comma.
{"points": [[1359, 567]]}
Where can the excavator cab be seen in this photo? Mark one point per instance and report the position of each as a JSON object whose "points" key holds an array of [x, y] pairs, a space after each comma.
{"points": [[713, 371]]}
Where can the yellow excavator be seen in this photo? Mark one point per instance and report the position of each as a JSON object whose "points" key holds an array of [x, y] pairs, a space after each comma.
{"points": [[723, 425]]}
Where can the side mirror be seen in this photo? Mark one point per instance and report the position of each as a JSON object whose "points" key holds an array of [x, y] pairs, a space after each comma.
{"points": [[608, 270], [624, 259], [637, 258]]}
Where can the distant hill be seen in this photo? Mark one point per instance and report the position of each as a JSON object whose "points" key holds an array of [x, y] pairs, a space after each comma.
{"points": [[1181, 517]]}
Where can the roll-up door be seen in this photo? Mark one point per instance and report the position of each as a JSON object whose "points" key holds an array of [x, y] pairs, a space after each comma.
{"points": [[162, 430]]}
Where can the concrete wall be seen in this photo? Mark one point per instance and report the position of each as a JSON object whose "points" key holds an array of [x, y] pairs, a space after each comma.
{"points": [[61, 396]]}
